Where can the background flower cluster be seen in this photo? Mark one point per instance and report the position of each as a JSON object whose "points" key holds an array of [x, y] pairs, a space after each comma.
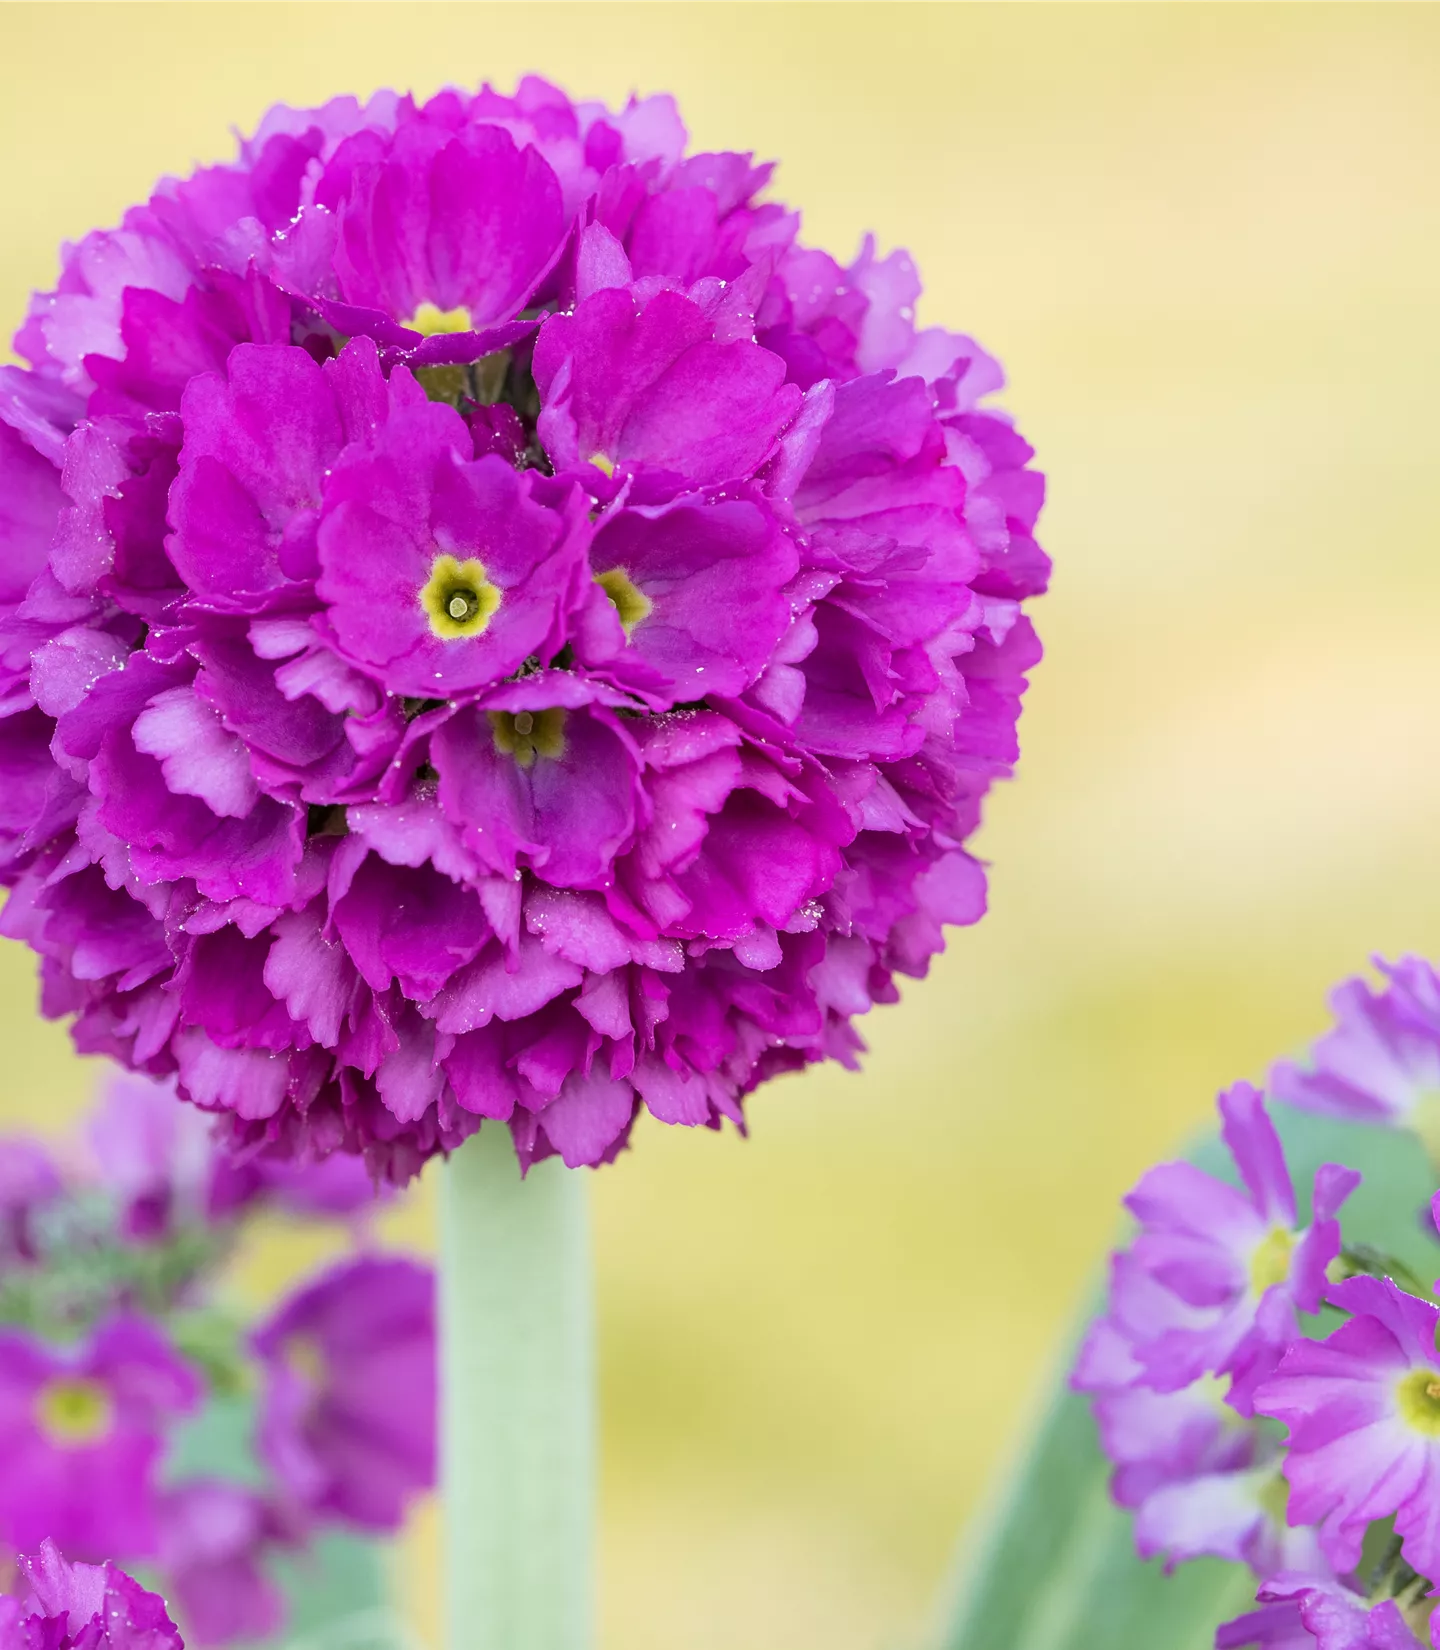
{"points": [[1269, 1392], [119, 1353], [492, 626]]}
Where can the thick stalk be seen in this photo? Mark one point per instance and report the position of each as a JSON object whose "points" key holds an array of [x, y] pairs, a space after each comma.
{"points": [[517, 1402]]}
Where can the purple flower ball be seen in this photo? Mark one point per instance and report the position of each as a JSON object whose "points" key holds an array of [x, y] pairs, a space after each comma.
{"points": [[492, 627], [83, 1607]]}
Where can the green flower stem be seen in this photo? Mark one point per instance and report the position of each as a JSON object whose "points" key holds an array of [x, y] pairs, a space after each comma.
{"points": [[517, 1402]]}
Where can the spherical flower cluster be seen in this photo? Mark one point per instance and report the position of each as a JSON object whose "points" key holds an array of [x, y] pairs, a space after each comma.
{"points": [[493, 627], [1201, 1352]]}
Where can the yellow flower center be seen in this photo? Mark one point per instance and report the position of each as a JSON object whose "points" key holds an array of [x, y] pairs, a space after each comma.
{"points": [[606, 466], [631, 602], [430, 320], [1270, 1264], [73, 1411], [1417, 1396], [1213, 1389], [458, 598], [526, 734], [1274, 1498], [306, 1357]]}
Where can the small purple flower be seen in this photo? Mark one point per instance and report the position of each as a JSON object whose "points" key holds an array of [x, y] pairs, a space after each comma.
{"points": [[83, 1607], [81, 1435], [450, 215], [1381, 1062], [1235, 1259], [1201, 1479], [1153, 1438], [632, 381], [495, 629], [347, 1419], [1363, 1412], [158, 1158], [212, 1536], [28, 1181], [1316, 1612], [1202, 1307]]}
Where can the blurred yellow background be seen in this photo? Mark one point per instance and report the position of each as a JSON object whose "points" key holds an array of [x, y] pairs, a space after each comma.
{"points": [[1205, 242]]}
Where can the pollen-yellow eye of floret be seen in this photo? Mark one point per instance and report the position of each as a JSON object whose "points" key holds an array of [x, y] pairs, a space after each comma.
{"points": [[431, 319], [1270, 1264], [526, 734], [631, 602], [73, 1411], [458, 598], [306, 1357], [1417, 1396], [606, 466]]}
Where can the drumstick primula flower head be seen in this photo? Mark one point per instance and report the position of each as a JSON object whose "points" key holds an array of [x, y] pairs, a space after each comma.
{"points": [[494, 628]]}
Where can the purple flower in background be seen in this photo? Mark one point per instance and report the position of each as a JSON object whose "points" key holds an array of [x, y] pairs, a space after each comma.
{"points": [[347, 1416], [164, 1164], [212, 1538], [1381, 1063], [1316, 1612], [83, 1607], [28, 1181], [1202, 1306], [493, 628], [1235, 1260], [155, 1156], [82, 1431], [1201, 1479], [1363, 1412], [1153, 1438], [334, 1187]]}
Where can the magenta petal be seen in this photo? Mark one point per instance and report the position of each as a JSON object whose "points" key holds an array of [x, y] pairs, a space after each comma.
{"points": [[715, 576], [567, 815], [471, 222], [586, 1119], [647, 384], [387, 517], [30, 500]]}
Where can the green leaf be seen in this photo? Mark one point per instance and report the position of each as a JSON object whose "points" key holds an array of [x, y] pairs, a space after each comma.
{"points": [[1052, 1566], [337, 1595], [218, 1443]]}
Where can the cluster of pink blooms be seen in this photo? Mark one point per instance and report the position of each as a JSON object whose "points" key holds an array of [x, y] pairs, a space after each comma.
{"points": [[492, 626], [112, 1348], [1202, 1350]]}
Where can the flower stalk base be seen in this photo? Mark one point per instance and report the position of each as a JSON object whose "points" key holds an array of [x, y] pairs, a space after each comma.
{"points": [[518, 1402]]}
